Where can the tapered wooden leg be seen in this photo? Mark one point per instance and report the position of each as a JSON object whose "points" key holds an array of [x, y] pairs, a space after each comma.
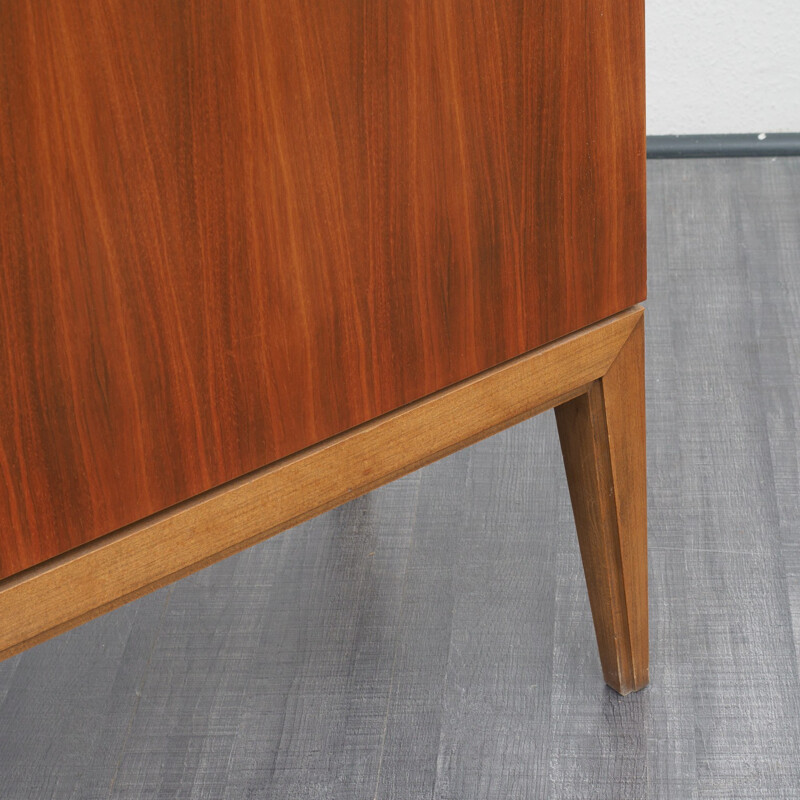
{"points": [[602, 437]]}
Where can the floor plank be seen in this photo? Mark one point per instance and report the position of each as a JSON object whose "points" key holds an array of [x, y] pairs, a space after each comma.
{"points": [[433, 639]]}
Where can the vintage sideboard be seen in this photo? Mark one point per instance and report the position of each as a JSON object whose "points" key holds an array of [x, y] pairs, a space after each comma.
{"points": [[259, 257]]}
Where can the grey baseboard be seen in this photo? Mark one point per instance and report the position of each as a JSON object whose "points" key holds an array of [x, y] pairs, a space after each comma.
{"points": [[726, 145]]}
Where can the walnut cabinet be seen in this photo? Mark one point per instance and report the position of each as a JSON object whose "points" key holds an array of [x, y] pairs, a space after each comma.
{"points": [[259, 257]]}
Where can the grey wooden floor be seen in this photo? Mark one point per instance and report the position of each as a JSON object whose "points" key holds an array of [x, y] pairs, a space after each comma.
{"points": [[433, 639]]}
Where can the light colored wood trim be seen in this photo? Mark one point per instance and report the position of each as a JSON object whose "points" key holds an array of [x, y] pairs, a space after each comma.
{"points": [[602, 436], [121, 566]]}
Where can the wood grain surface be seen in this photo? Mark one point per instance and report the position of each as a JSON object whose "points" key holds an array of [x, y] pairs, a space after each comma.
{"points": [[122, 566], [230, 231]]}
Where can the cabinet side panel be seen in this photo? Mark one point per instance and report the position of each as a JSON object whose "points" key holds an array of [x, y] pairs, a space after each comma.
{"points": [[229, 231]]}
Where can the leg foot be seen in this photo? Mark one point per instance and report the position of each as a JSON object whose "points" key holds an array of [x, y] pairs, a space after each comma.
{"points": [[602, 437]]}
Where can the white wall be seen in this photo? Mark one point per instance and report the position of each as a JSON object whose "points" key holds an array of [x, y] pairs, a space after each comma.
{"points": [[723, 66]]}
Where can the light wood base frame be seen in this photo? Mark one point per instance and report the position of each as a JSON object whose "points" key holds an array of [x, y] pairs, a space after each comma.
{"points": [[594, 375]]}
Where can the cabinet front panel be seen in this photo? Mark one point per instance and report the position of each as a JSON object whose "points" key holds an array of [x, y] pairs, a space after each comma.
{"points": [[231, 230]]}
